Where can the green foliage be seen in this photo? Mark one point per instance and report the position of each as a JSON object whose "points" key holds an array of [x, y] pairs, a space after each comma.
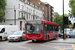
{"points": [[70, 24], [72, 6], [59, 19], [2, 9]]}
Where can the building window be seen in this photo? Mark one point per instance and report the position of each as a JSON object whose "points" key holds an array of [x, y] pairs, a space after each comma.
{"points": [[43, 12], [33, 11], [27, 16], [27, 9], [25, 1], [29, 3], [36, 17], [22, 7], [18, 5], [52, 8], [33, 17], [43, 8], [52, 15], [39, 3], [19, 14], [30, 10], [22, 14], [34, 5]]}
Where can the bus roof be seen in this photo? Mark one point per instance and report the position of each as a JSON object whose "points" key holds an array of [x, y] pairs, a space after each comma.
{"points": [[45, 22], [50, 22]]}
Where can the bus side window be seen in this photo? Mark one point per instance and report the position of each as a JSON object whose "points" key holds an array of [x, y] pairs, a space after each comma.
{"points": [[56, 28], [48, 28], [53, 28]]}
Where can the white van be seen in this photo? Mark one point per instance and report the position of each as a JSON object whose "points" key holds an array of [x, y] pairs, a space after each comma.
{"points": [[6, 30], [68, 30]]}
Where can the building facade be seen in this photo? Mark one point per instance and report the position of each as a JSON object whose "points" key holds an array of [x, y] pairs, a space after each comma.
{"points": [[19, 11], [50, 12], [41, 5]]}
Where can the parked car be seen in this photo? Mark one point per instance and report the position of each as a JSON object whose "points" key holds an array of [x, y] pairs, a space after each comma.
{"points": [[17, 36], [71, 34], [61, 35], [6, 30]]}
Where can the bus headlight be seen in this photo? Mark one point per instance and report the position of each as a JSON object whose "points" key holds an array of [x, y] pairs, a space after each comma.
{"points": [[41, 35], [27, 36]]}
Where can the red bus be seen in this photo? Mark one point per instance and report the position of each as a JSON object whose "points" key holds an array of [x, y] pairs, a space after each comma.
{"points": [[41, 30]]}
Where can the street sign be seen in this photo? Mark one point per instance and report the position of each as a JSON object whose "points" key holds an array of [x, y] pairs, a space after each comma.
{"points": [[70, 26]]}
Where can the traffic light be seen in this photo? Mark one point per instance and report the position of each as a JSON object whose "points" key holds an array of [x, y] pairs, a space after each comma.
{"points": [[74, 25], [66, 20], [69, 22]]}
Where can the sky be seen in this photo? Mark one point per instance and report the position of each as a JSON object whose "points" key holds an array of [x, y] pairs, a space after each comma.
{"points": [[58, 5]]}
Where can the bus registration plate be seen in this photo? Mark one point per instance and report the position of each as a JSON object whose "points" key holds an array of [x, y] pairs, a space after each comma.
{"points": [[34, 39]]}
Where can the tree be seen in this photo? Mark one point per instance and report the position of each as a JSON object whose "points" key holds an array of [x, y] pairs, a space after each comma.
{"points": [[56, 13], [2, 9], [72, 6], [59, 19], [57, 16]]}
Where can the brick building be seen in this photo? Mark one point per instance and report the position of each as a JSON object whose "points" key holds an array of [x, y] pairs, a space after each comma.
{"points": [[50, 12]]}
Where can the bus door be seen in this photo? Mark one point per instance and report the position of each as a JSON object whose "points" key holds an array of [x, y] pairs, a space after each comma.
{"points": [[53, 31], [46, 30]]}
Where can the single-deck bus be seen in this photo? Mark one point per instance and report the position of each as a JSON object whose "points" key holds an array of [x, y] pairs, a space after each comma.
{"points": [[41, 30]]}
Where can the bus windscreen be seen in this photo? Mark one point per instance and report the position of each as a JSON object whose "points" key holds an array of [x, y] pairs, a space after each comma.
{"points": [[34, 27]]}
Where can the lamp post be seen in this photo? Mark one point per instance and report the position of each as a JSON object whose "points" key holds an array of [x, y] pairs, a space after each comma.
{"points": [[63, 19], [34, 13], [14, 16]]}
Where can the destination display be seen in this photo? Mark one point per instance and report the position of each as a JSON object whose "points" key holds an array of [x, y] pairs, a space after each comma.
{"points": [[35, 22]]}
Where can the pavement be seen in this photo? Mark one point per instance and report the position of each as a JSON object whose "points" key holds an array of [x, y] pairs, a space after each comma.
{"points": [[67, 40]]}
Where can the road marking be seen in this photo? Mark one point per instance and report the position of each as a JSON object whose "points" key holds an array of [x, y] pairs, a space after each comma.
{"points": [[73, 46], [59, 43], [41, 45], [17, 45], [52, 46], [7, 49], [48, 46], [21, 46]]}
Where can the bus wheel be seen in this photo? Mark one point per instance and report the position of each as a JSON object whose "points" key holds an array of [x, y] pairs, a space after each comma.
{"points": [[0, 38], [61, 36], [55, 37], [20, 39], [68, 36], [9, 41], [48, 38]]}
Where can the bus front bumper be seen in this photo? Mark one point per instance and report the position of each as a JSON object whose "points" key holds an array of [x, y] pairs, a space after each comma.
{"points": [[34, 38]]}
